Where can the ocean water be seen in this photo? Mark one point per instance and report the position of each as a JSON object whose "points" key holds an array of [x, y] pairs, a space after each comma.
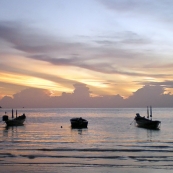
{"points": [[111, 143]]}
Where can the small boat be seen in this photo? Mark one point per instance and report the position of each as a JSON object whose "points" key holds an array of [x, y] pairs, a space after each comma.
{"points": [[18, 121], [78, 123], [146, 122]]}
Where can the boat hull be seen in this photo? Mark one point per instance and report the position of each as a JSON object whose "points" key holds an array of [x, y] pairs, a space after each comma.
{"points": [[79, 123], [149, 124], [15, 122]]}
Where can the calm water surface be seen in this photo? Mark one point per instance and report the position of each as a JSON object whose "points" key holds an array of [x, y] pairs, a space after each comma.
{"points": [[46, 143]]}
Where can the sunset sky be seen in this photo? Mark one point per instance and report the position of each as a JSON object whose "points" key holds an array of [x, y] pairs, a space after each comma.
{"points": [[112, 46]]}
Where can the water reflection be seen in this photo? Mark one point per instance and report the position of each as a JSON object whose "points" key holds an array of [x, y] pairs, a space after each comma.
{"points": [[78, 135], [146, 135], [78, 131], [12, 131], [152, 134], [5, 132], [149, 135]]}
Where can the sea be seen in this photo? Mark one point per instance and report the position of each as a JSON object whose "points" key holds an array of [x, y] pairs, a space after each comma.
{"points": [[111, 143]]}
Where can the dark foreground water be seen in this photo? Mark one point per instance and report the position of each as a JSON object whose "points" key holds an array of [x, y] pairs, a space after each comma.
{"points": [[109, 144]]}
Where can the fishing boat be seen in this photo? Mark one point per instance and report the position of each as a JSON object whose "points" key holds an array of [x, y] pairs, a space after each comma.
{"points": [[17, 121], [78, 123], [147, 122]]}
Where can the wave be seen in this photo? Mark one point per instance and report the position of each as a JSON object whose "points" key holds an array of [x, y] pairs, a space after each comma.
{"points": [[146, 149]]}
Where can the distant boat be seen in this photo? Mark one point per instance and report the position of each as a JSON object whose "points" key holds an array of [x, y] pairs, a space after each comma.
{"points": [[147, 122], [18, 121], [78, 123]]}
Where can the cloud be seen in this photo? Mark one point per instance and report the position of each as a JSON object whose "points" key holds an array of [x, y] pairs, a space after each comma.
{"points": [[114, 53], [142, 6], [80, 98], [14, 79], [30, 97], [126, 5], [83, 63], [8, 88], [120, 38], [32, 94], [59, 52], [106, 68], [165, 84], [24, 38], [150, 95]]}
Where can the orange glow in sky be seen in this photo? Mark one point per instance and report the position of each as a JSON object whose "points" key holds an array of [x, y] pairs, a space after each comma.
{"points": [[111, 47]]}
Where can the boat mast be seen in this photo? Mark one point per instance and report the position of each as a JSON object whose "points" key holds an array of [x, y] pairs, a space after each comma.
{"points": [[151, 112], [12, 114], [147, 112]]}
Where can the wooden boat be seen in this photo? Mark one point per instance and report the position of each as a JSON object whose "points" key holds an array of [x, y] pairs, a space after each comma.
{"points": [[18, 121], [147, 122], [78, 123]]}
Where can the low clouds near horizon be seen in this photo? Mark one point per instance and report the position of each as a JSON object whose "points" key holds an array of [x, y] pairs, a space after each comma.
{"points": [[81, 98]]}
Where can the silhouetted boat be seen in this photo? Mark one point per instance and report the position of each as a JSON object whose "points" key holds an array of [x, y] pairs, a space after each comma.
{"points": [[18, 121], [146, 122], [78, 123]]}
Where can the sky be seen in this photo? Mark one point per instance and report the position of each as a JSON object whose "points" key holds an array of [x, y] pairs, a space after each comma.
{"points": [[114, 47]]}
